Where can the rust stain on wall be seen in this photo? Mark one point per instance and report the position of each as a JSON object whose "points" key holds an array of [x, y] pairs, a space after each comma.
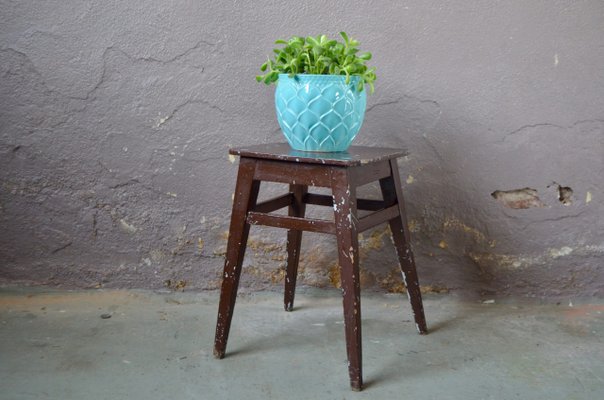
{"points": [[453, 224], [320, 269], [514, 261], [393, 283], [178, 285]]}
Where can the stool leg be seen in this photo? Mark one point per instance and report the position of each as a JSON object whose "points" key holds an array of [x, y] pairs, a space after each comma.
{"points": [[392, 192], [294, 238], [246, 193], [345, 212]]}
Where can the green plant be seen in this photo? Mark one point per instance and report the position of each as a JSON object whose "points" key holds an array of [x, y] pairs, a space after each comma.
{"points": [[319, 55]]}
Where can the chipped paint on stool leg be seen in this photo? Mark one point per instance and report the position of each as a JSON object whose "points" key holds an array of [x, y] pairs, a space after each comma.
{"points": [[404, 278]]}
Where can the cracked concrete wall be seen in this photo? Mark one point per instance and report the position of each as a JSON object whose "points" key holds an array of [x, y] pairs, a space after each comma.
{"points": [[116, 117]]}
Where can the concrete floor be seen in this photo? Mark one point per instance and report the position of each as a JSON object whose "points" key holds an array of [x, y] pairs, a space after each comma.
{"points": [[55, 345]]}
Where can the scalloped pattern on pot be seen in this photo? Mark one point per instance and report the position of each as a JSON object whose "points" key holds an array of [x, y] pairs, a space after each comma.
{"points": [[319, 112]]}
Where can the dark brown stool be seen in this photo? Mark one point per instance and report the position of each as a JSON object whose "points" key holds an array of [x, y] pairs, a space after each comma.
{"points": [[343, 173]]}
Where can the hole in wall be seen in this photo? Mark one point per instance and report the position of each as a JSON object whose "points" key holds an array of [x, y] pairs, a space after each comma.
{"points": [[565, 193], [529, 197], [518, 198]]}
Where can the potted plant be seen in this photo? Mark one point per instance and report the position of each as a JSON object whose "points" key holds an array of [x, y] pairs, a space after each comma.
{"points": [[320, 97]]}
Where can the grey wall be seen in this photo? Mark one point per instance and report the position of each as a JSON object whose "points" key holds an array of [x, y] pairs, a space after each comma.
{"points": [[116, 117]]}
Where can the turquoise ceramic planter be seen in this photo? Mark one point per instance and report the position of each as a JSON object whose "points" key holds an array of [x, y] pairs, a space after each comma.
{"points": [[319, 112]]}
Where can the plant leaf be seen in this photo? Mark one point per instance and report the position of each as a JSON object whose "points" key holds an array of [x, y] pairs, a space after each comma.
{"points": [[345, 37], [319, 55], [312, 41]]}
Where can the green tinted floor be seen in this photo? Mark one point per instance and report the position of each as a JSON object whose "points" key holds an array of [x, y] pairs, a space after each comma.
{"points": [[56, 345]]}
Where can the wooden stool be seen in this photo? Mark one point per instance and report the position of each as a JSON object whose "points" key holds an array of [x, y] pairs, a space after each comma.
{"points": [[343, 173]]}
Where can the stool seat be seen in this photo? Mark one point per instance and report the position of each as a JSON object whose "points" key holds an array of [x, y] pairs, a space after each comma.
{"points": [[355, 155], [343, 172]]}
